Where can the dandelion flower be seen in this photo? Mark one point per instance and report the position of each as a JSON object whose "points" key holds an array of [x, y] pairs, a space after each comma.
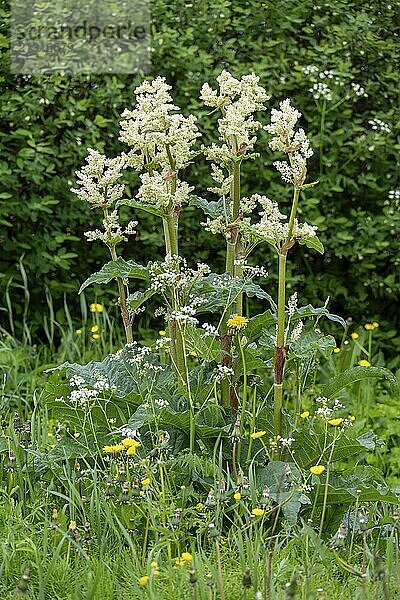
{"points": [[142, 581], [237, 322], [114, 450], [336, 350], [317, 469], [354, 336], [335, 422], [305, 414], [186, 556], [95, 336], [369, 326], [154, 564], [375, 324], [257, 434], [258, 512], [96, 308], [94, 328], [78, 332], [146, 481], [237, 496], [129, 442], [162, 333], [132, 449], [364, 363], [352, 418]]}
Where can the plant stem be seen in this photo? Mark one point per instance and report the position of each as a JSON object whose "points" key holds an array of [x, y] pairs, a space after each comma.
{"points": [[280, 348], [219, 566], [122, 302]]}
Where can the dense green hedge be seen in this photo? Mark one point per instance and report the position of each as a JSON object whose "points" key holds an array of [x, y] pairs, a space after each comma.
{"points": [[51, 120]]}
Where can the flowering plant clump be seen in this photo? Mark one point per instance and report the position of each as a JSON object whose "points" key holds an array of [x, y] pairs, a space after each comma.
{"points": [[210, 388]]}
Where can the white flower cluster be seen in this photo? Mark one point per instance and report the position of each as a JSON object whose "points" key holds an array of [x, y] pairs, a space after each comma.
{"points": [[113, 234], [296, 333], [287, 139], [157, 190], [359, 90], [210, 329], [153, 126], [292, 304], [138, 356], [321, 90], [394, 195], [223, 372], [271, 226], [98, 179], [184, 316], [379, 125], [327, 407], [175, 274], [238, 100]]}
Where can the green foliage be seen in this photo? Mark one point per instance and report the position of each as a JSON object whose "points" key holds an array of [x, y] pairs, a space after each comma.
{"points": [[52, 119]]}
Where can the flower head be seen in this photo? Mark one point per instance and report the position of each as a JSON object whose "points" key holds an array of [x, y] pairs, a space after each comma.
{"points": [[144, 580], [186, 556], [258, 512], [364, 363], [237, 496], [354, 335], [114, 450], [305, 414], [257, 434], [237, 322], [317, 469], [335, 422], [96, 308]]}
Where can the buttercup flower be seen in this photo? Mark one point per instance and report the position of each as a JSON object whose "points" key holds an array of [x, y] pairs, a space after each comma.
{"points": [[336, 350], [186, 556], [364, 363], [78, 332], [96, 308], [129, 442], [95, 336], [317, 469], [146, 481], [114, 450], [142, 581], [258, 512], [305, 414], [237, 496], [354, 336], [335, 422], [257, 434], [94, 328], [132, 448]]}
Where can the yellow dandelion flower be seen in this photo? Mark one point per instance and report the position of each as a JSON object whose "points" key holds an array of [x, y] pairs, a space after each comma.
{"points": [[193, 353], [257, 434], [96, 308], [142, 581], [132, 449], [237, 496], [352, 418], [162, 333], [154, 564], [317, 469], [186, 556], [375, 324], [114, 450], [129, 442], [354, 336], [305, 414], [96, 336], [335, 422], [369, 326], [94, 328], [258, 512], [146, 481], [336, 350], [78, 331], [364, 363], [237, 322]]}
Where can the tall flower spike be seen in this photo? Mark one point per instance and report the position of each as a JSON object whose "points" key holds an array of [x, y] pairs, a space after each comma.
{"points": [[98, 179], [294, 143]]}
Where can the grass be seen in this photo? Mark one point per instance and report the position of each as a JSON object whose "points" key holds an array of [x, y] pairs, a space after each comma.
{"points": [[67, 531]]}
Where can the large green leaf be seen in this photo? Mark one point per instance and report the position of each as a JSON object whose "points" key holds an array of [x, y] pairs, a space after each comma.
{"points": [[364, 482], [355, 374], [124, 269], [256, 325], [311, 342], [220, 290], [205, 346], [211, 209], [310, 311], [314, 243], [132, 203], [135, 300]]}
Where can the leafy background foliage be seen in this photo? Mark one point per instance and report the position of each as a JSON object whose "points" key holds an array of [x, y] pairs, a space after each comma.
{"points": [[51, 120]]}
